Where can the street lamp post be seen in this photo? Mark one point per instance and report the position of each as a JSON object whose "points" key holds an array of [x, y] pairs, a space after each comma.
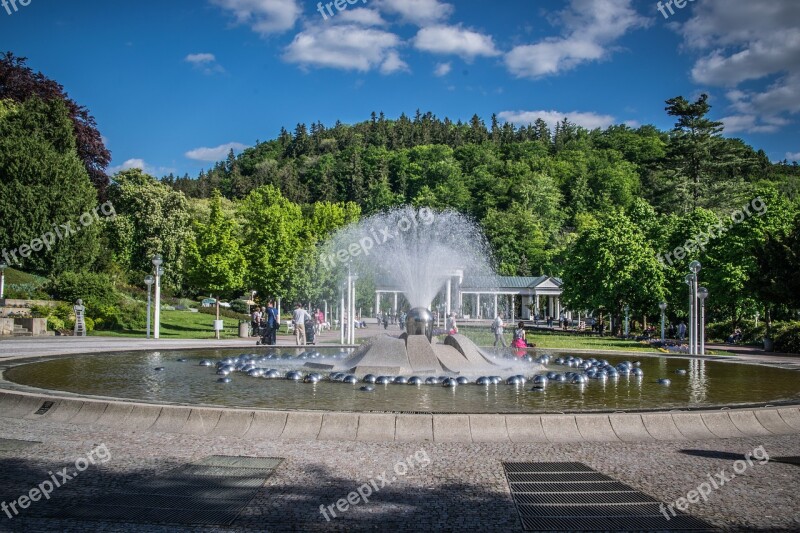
{"points": [[689, 281], [3, 267], [148, 280], [157, 262], [702, 294], [341, 319], [695, 266], [663, 307], [627, 314]]}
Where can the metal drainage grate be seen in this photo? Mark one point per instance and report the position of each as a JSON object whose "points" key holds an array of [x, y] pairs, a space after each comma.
{"points": [[44, 408], [212, 491], [572, 496], [13, 445]]}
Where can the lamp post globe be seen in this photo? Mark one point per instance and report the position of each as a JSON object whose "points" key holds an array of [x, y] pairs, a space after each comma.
{"points": [[695, 266]]}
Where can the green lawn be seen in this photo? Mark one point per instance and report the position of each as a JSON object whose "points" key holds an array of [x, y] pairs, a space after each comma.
{"points": [[484, 337], [182, 325]]}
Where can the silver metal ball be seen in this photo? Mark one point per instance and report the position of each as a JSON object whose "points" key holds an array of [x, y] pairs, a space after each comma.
{"points": [[383, 380], [664, 381], [369, 378], [401, 380], [350, 379], [449, 382], [224, 380], [462, 380], [681, 372], [294, 376], [415, 380], [367, 388]]}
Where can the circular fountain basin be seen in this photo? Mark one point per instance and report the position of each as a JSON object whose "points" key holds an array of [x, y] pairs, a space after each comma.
{"points": [[183, 381]]}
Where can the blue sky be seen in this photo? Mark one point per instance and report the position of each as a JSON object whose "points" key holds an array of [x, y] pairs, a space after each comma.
{"points": [[173, 84]]}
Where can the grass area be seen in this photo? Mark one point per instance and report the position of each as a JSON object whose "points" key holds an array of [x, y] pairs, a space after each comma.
{"points": [[552, 341], [17, 277], [182, 325]]}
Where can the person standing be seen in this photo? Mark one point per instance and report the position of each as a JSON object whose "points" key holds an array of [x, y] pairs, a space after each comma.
{"points": [[273, 323], [681, 330], [256, 321], [299, 318], [497, 327]]}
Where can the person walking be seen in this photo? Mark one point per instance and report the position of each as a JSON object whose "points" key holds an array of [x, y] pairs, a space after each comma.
{"points": [[497, 327], [299, 318]]}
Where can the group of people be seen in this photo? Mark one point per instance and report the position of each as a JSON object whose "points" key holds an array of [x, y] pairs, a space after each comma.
{"points": [[266, 322], [520, 340]]}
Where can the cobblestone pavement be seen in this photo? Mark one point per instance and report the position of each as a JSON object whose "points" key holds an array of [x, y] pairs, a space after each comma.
{"points": [[462, 487]]}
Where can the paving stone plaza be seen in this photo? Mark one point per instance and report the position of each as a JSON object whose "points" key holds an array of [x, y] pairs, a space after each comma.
{"points": [[732, 470]]}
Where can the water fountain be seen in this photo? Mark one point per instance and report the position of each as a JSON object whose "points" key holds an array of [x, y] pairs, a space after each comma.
{"points": [[416, 251]]}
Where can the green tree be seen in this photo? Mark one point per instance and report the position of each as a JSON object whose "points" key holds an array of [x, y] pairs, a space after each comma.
{"points": [[151, 218], [215, 260], [44, 191], [612, 265]]}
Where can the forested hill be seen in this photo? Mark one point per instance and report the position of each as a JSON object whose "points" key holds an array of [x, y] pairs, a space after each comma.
{"points": [[476, 168]]}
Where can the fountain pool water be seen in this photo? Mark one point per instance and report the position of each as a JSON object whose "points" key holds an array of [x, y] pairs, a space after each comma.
{"points": [[132, 375]]}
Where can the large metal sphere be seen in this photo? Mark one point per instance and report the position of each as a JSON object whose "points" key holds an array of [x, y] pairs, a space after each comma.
{"points": [[540, 380], [637, 372], [664, 381], [272, 374], [383, 380], [449, 382], [483, 380], [206, 362], [579, 379], [224, 380], [681, 372], [294, 376], [401, 380], [369, 378], [462, 380], [431, 381], [514, 380], [367, 388], [350, 379], [311, 378], [420, 322], [415, 380]]}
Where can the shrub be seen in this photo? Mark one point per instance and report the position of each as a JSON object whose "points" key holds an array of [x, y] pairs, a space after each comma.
{"points": [[55, 324], [95, 289], [228, 313], [720, 331], [787, 337], [89, 324], [240, 306]]}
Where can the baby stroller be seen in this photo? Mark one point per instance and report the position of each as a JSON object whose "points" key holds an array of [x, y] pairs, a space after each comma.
{"points": [[265, 334], [310, 334]]}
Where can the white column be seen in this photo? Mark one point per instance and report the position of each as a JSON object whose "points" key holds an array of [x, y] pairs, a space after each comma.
{"points": [[536, 304], [512, 307], [394, 308], [341, 320], [558, 307], [495, 305], [377, 302], [550, 306], [477, 311], [449, 296]]}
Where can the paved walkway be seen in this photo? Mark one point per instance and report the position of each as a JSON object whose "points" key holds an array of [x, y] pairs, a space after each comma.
{"points": [[461, 487]]}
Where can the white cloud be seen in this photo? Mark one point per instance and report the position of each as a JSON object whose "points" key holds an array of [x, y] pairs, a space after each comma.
{"points": [[141, 165], [443, 69], [346, 47], [263, 16], [591, 27], [393, 64], [793, 156], [455, 40], [199, 59], [361, 16], [419, 12], [587, 120], [216, 153], [204, 62], [741, 41]]}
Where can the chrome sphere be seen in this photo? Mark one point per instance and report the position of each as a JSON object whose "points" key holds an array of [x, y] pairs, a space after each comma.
{"points": [[401, 380], [483, 380], [383, 380], [449, 382], [224, 380], [560, 378], [223, 372], [415, 380], [206, 362], [431, 381], [352, 380], [681, 372], [579, 379], [462, 380], [337, 376], [540, 380], [367, 388], [513, 380], [256, 373], [637, 372], [294, 376], [496, 380], [419, 321], [369, 378], [664, 381], [311, 378], [158, 368], [272, 374]]}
